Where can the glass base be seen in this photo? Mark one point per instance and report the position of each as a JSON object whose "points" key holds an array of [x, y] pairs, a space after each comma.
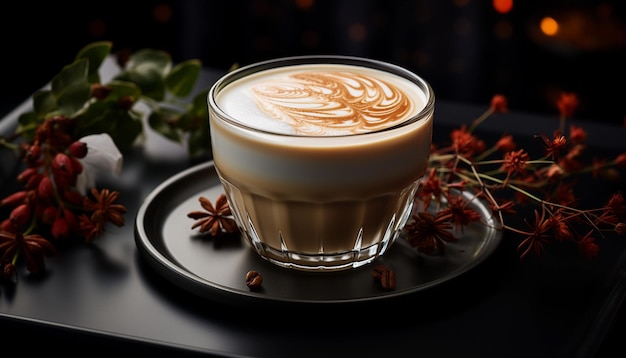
{"points": [[328, 262], [317, 236]]}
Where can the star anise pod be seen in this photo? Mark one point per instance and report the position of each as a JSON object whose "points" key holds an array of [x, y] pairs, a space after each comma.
{"points": [[216, 219], [103, 209], [32, 247], [428, 233], [461, 214]]}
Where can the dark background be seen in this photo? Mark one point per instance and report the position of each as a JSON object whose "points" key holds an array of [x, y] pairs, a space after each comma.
{"points": [[466, 49]]}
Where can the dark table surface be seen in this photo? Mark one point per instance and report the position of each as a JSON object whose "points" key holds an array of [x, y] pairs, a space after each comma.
{"points": [[105, 298]]}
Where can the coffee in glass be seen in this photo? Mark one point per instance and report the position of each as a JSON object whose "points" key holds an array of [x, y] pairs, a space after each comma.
{"points": [[321, 156]]}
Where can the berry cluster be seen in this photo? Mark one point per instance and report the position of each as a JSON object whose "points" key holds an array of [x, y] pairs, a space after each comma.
{"points": [[50, 203], [49, 193]]}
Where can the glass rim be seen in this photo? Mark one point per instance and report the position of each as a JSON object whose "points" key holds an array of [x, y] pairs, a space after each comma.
{"points": [[241, 72]]}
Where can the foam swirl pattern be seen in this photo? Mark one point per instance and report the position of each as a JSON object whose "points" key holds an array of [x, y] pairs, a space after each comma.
{"points": [[325, 103]]}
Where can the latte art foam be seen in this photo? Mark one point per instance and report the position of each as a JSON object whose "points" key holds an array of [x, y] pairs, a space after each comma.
{"points": [[322, 103], [322, 100]]}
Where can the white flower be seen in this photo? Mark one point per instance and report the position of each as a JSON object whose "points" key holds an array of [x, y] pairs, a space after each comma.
{"points": [[102, 157]]}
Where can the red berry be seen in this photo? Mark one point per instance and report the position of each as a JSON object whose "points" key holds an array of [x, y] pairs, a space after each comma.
{"points": [[45, 190], [26, 174], [20, 215], [78, 149], [63, 164], [49, 214], [15, 199]]}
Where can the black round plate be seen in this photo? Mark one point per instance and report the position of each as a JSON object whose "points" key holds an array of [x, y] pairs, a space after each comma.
{"points": [[215, 268]]}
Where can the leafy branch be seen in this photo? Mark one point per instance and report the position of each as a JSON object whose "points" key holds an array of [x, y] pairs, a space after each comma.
{"points": [[79, 126], [147, 76]]}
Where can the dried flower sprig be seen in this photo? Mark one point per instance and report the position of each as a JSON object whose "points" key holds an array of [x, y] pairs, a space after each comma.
{"points": [[508, 179]]}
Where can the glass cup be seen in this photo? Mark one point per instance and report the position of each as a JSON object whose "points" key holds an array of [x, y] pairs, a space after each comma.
{"points": [[321, 156]]}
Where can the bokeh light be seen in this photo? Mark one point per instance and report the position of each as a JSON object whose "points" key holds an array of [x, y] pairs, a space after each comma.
{"points": [[549, 26], [162, 13], [502, 6]]}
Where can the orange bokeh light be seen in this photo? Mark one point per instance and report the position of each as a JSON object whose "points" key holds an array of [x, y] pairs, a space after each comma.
{"points": [[549, 26], [502, 6]]}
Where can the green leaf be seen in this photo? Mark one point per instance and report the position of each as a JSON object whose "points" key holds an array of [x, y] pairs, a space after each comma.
{"points": [[151, 83], [148, 68], [183, 77], [196, 122], [189, 122], [199, 141], [44, 102], [160, 121], [97, 118], [71, 74], [74, 98], [196, 114], [71, 87], [95, 53], [28, 118], [121, 89], [106, 117], [27, 125], [199, 104], [128, 127], [148, 60]]}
